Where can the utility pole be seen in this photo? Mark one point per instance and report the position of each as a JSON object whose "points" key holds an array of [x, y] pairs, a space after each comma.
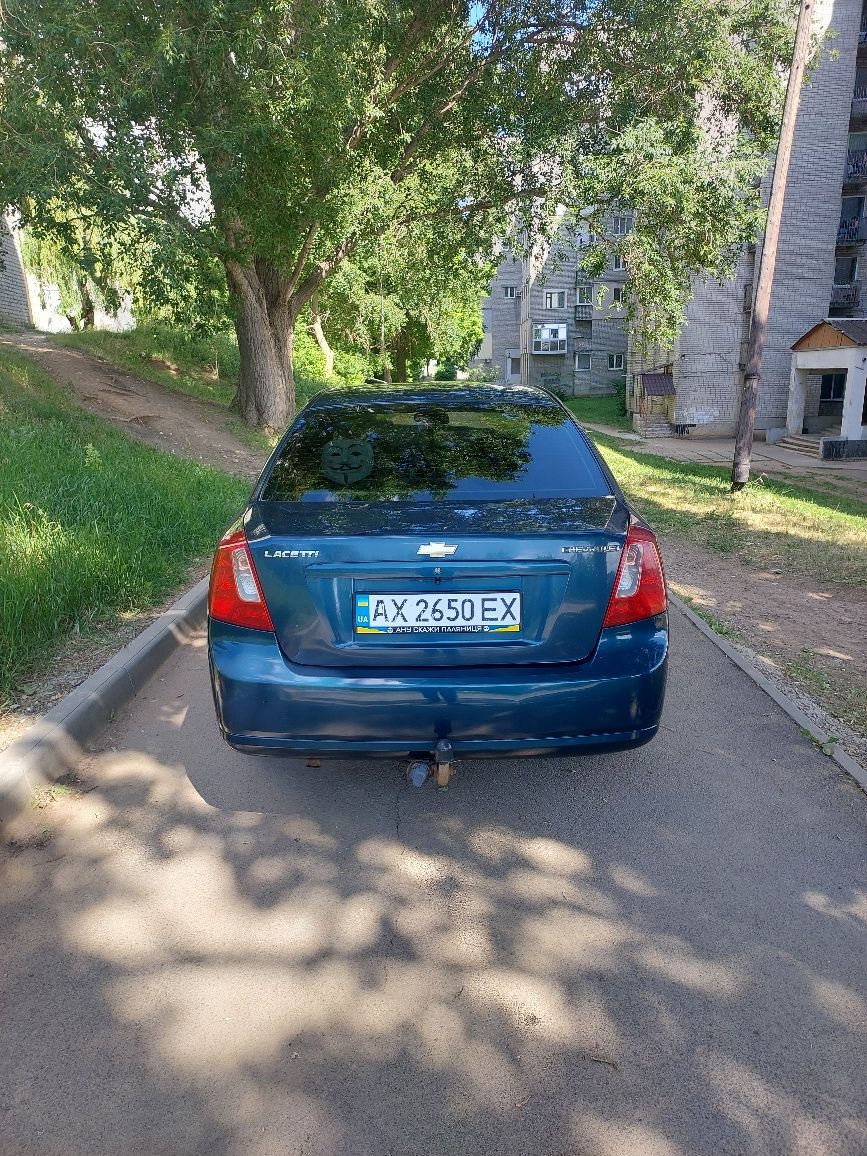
{"points": [[768, 263]]}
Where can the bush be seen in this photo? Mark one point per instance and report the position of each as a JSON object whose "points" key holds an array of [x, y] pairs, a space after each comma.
{"points": [[485, 373], [448, 371], [620, 394]]}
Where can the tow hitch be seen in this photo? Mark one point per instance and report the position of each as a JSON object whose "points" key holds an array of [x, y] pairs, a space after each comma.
{"points": [[441, 765], [443, 757]]}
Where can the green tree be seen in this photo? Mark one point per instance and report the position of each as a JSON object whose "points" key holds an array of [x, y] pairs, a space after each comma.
{"points": [[83, 262], [162, 275], [280, 136], [402, 299]]}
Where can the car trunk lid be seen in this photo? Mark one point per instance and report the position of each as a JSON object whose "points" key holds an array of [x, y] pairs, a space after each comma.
{"points": [[495, 583]]}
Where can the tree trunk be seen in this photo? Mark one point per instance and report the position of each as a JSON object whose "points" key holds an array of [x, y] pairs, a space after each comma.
{"points": [[265, 320], [401, 353], [88, 309], [319, 333], [267, 306]]}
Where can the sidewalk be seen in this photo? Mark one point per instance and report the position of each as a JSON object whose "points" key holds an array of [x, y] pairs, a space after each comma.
{"points": [[767, 459]]}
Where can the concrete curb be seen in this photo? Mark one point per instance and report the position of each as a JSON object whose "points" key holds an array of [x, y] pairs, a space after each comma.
{"points": [[782, 700], [55, 744]]}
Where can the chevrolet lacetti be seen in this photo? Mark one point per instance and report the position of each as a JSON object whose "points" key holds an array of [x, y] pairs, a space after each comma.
{"points": [[435, 572]]}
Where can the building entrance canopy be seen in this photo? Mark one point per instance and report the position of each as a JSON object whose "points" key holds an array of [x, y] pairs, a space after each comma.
{"points": [[837, 345]]}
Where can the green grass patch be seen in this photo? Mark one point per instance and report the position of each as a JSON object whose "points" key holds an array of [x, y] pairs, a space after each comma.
{"points": [[91, 523], [716, 624], [202, 367], [769, 525], [603, 409], [844, 693]]}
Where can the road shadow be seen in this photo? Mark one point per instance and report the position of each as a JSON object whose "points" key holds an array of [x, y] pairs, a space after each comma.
{"points": [[653, 953]]}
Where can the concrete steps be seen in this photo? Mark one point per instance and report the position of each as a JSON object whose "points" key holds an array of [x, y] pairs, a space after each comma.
{"points": [[654, 427], [802, 444]]}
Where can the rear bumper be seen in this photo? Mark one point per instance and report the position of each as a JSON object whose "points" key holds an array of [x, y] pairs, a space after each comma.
{"points": [[613, 701]]}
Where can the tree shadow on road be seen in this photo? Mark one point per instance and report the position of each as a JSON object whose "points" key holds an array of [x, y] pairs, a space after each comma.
{"points": [[654, 953]]}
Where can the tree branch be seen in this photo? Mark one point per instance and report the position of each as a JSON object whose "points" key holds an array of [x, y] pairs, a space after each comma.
{"points": [[295, 275]]}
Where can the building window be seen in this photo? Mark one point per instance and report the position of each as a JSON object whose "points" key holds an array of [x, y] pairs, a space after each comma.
{"points": [[549, 338], [615, 360], [617, 295], [833, 387], [510, 292], [556, 300], [619, 263], [582, 362], [585, 295], [620, 226]]}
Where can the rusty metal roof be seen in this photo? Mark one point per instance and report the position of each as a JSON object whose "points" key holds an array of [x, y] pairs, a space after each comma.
{"points": [[658, 384]]}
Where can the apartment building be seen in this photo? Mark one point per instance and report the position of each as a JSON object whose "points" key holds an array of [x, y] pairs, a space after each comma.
{"points": [[547, 323], [15, 304], [820, 274]]}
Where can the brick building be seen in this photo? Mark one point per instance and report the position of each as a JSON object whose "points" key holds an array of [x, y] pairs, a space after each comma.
{"points": [[15, 304], [548, 324], [820, 272]]}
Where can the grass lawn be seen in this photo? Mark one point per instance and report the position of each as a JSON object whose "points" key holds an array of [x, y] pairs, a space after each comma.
{"points": [[770, 524], [203, 367], [602, 409], [91, 523]]}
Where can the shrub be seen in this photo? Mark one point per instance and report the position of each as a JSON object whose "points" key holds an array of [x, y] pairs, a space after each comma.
{"points": [[448, 371]]}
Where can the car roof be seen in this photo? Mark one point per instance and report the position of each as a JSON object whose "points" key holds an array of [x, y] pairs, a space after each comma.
{"points": [[448, 395]]}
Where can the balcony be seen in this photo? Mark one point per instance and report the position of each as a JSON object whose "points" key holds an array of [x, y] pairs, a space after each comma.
{"points": [[844, 296], [583, 312], [859, 99], [852, 231], [862, 35], [856, 165]]}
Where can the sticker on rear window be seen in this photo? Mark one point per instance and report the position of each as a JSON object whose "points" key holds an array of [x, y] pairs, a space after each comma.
{"points": [[347, 460]]}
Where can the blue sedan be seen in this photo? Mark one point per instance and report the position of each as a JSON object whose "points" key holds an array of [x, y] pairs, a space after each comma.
{"points": [[435, 572]]}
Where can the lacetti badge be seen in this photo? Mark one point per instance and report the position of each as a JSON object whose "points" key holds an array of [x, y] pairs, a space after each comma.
{"points": [[291, 553], [437, 550]]}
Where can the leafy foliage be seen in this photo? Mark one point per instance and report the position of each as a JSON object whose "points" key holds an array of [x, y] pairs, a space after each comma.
{"points": [[426, 303], [283, 138]]}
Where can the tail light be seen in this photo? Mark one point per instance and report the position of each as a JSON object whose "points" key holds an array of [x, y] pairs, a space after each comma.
{"points": [[639, 589], [235, 595]]}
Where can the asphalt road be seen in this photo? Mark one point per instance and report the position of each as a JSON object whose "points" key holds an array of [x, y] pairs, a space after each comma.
{"points": [[655, 954]]}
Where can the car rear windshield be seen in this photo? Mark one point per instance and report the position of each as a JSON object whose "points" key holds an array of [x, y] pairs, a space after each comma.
{"points": [[431, 453]]}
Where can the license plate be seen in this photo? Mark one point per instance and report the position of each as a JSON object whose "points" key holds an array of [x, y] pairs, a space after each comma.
{"points": [[483, 613]]}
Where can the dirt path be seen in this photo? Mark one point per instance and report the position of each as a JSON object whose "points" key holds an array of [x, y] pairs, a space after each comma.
{"points": [[144, 410], [813, 634]]}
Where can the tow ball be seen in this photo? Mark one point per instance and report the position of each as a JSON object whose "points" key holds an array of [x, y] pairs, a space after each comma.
{"points": [[444, 758], [441, 765]]}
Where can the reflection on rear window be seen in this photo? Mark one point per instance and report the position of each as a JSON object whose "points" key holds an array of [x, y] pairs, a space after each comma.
{"points": [[424, 452]]}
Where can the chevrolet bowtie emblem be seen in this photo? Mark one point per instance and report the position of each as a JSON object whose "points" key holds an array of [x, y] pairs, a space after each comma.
{"points": [[437, 550]]}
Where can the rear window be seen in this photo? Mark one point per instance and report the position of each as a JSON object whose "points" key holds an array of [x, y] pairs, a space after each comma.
{"points": [[433, 453]]}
